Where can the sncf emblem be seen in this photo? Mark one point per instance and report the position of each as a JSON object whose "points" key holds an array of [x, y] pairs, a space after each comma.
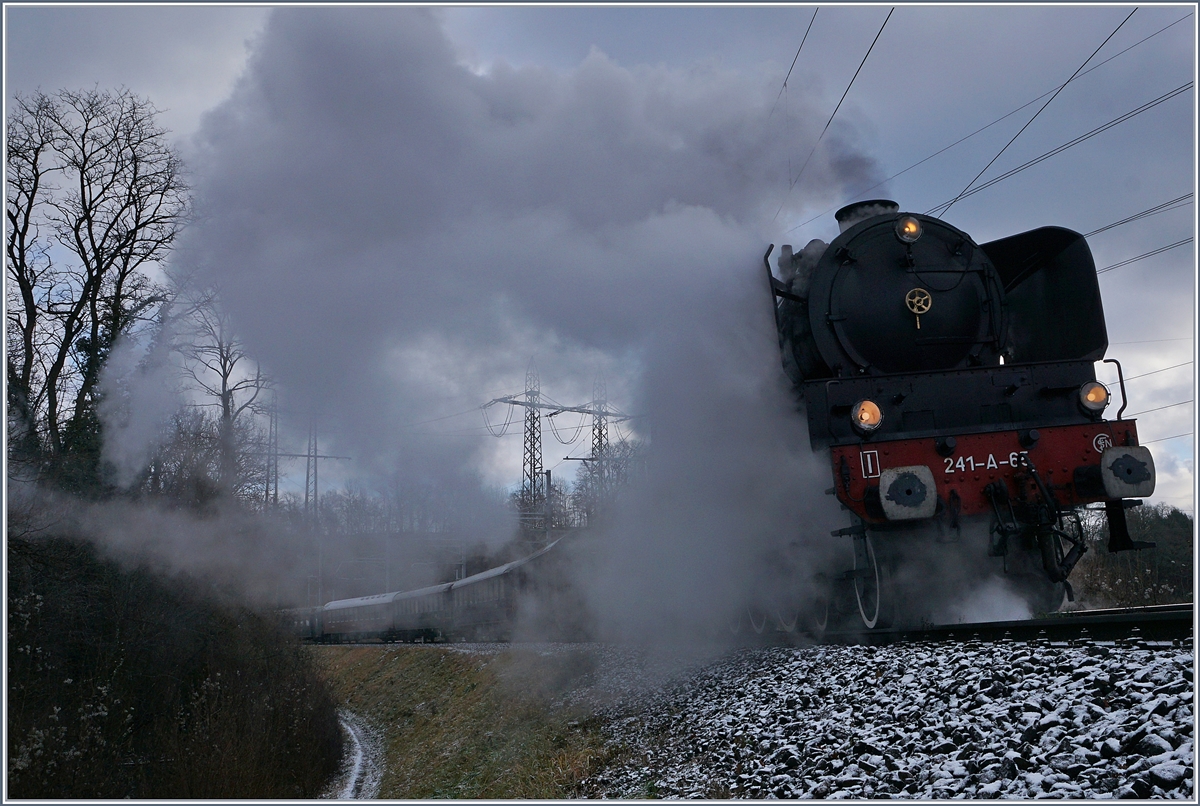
{"points": [[870, 464], [1102, 442]]}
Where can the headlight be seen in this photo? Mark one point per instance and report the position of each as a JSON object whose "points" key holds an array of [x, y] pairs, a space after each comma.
{"points": [[1093, 396], [908, 228], [866, 416]]}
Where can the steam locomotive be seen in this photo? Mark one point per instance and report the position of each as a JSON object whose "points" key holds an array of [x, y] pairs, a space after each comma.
{"points": [[953, 385]]}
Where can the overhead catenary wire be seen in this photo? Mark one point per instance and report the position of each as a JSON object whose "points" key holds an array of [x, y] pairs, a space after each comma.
{"points": [[783, 88], [1035, 114], [794, 59], [1155, 372], [1160, 408], [793, 182], [1164, 439], [1151, 253], [860, 192], [1173, 204], [1069, 144], [1150, 341]]}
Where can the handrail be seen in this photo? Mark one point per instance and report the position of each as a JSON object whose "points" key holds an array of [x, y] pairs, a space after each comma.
{"points": [[1121, 381]]}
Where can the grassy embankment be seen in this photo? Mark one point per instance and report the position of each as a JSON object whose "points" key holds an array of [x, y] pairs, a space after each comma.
{"points": [[471, 725]]}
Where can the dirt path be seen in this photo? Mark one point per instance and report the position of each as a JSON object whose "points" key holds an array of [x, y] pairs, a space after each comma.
{"points": [[467, 721], [362, 769]]}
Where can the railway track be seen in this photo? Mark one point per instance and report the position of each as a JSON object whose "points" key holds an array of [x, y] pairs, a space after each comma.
{"points": [[1154, 623], [1173, 622]]}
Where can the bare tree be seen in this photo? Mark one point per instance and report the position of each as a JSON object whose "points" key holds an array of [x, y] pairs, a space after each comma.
{"points": [[216, 361], [95, 196], [185, 470], [601, 482], [183, 467]]}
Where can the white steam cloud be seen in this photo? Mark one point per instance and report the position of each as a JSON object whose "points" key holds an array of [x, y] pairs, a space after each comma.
{"points": [[138, 396], [395, 235]]}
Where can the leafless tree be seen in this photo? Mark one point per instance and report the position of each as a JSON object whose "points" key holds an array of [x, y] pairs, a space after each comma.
{"points": [[185, 470], [216, 361], [95, 196], [601, 482]]}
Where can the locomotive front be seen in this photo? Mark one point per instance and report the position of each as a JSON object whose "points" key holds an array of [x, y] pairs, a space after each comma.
{"points": [[954, 385]]}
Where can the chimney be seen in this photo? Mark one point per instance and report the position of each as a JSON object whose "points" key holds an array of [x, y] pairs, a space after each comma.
{"points": [[851, 214]]}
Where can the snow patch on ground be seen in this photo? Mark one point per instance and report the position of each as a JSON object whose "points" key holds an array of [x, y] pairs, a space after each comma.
{"points": [[362, 766]]}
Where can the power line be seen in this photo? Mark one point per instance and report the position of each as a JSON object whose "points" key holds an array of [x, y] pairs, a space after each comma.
{"points": [[1071, 143], [558, 435], [487, 423], [783, 89], [1150, 341], [1035, 114], [1173, 204], [1097, 66], [1164, 369], [1151, 253], [439, 419], [793, 182], [1160, 408], [1164, 439], [797, 56]]}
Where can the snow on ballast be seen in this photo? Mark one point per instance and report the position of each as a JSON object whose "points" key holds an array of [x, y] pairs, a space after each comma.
{"points": [[1007, 719]]}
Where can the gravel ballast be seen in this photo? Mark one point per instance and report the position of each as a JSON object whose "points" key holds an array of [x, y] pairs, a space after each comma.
{"points": [[978, 720]]}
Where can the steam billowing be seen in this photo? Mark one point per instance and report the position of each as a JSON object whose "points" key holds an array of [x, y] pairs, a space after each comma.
{"points": [[396, 234]]}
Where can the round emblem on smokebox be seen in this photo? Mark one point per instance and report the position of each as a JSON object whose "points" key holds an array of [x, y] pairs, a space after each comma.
{"points": [[918, 300], [907, 490]]}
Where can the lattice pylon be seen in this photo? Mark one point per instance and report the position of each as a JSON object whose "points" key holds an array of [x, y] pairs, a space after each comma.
{"points": [[311, 503], [601, 471], [532, 481]]}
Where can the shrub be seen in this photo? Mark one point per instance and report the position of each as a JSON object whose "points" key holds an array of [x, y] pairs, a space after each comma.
{"points": [[125, 684], [1159, 575]]}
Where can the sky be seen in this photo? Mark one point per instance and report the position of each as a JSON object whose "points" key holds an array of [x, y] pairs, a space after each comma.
{"points": [[404, 206]]}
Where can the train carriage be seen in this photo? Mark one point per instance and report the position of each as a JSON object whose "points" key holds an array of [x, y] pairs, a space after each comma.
{"points": [[482, 606]]}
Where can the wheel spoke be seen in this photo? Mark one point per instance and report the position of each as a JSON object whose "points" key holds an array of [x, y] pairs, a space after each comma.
{"points": [[869, 585], [758, 619], [787, 618]]}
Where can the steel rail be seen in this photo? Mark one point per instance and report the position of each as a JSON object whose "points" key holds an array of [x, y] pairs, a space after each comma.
{"points": [[1154, 623]]}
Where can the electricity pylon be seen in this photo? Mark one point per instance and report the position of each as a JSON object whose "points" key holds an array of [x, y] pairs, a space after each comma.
{"points": [[533, 493], [311, 505], [600, 469], [533, 490]]}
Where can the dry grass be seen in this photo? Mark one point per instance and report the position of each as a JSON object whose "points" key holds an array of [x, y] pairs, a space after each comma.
{"points": [[461, 725]]}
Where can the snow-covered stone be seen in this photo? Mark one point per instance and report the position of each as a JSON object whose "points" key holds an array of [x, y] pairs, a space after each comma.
{"points": [[1167, 775], [1000, 720]]}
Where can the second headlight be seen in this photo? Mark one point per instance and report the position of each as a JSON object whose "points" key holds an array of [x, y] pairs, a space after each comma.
{"points": [[1093, 396], [908, 229], [866, 416]]}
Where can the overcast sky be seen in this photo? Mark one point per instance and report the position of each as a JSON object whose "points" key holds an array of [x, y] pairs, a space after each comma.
{"points": [[403, 205]]}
